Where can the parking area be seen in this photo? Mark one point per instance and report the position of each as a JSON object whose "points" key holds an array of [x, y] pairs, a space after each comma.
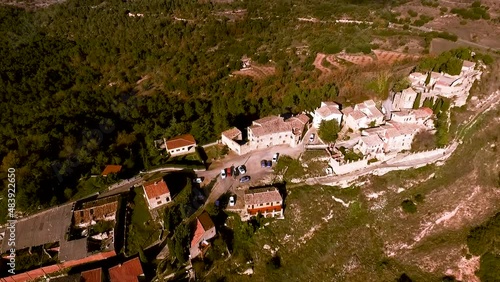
{"points": [[258, 175]]}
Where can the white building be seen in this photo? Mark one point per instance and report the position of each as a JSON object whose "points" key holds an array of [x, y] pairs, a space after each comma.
{"points": [[421, 116], [363, 115], [326, 112], [156, 193], [180, 145], [455, 87]]}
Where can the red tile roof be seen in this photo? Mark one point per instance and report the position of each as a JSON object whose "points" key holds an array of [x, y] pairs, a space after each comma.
{"points": [[126, 272], [94, 275], [111, 169], [156, 188], [203, 224], [180, 141]]}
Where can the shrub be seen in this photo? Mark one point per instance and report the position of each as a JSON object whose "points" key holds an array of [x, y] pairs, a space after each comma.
{"points": [[443, 9], [419, 198], [409, 206], [412, 13]]}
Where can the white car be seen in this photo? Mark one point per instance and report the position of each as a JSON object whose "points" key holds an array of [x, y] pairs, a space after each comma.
{"points": [[231, 201], [242, 169], [222, 173], [275, 157], [311, 138], [198, 180]]}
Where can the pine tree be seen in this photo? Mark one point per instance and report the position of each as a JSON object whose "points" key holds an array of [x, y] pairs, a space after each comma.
{"points": [[416, 104]]}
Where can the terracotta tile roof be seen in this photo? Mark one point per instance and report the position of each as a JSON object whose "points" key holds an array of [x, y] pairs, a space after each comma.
{"points": [[423, 112], [468, 64], [372, 141], [111, 169], [95, 210], [262, 196], [155, 188], [328, 110], [94, 275], [268, 119], [361, 110], [126, 272], [180, 141], [203, 224], [347, 110], [232, 133]]}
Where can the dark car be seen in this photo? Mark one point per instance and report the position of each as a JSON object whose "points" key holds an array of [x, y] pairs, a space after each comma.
{"points": [[245, 179], [236, 172], [263, 163], [269, 163]]}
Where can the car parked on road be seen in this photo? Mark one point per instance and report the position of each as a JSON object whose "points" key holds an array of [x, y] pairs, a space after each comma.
{"points": [[242, 169], [269, 163], [229, 171], [245, 179], [275, 157], [198, 180], [231, 201], [263, 163], [223, 174], [311, 138], [236, 172]]}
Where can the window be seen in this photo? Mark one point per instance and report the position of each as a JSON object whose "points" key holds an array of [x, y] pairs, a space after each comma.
{"points": [[91, 211], [261, 205], [279, 137], [270, 138], [286, 135], [157, 198], [168, 199], [158, 203], [177, 150]]}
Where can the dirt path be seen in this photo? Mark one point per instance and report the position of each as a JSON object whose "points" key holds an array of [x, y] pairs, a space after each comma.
{"points": [[318, 64]]}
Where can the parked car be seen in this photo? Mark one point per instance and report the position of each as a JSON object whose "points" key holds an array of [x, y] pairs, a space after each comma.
{"points": [[242, 169], [236, 172], [245, 179], [269, 164], [311, 138], [231, 201], [229, 171], [223, 174], [275, 157], [263, 163], [198, 180]]}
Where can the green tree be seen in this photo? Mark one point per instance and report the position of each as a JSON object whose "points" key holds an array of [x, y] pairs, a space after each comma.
{"points": [[142, 256], [409, 206], [328, 130], [416, 104]]}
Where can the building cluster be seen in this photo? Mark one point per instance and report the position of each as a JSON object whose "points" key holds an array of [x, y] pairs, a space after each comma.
{"points": [[434, 85], [266, 132]]}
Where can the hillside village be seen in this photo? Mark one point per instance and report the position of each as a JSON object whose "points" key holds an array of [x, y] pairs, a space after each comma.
{"points": [[98, 227]]}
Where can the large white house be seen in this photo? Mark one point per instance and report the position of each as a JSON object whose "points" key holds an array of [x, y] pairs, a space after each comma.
{"points": [[326, 112], [266, 132], [363, 115]]}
